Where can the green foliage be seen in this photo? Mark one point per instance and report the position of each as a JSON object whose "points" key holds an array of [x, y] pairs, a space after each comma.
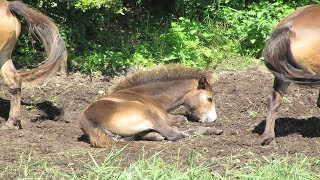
{"points": [[89, 4], [252, 26], [183, 43], [106, 36]]}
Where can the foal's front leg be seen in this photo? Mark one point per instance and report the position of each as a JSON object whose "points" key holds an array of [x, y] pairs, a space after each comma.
{"points": [[173, 120], [274, 102], [13, 82]]}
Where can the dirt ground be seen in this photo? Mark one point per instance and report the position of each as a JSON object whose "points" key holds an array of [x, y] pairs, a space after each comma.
{"points": [[51, 133]]}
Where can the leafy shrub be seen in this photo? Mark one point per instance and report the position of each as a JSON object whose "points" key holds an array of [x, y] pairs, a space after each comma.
{"points": [[252, 26], [104, 36]]}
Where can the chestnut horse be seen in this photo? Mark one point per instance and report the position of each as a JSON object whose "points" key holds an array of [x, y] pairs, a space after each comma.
{"points": [[293, 55], [44, 29], [138, 107]]}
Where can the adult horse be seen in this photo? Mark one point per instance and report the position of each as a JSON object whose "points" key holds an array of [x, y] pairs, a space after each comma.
{"points": [[44, 29], [138, 107], [293, 55]]}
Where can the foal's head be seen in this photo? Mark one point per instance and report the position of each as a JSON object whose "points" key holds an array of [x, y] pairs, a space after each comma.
{"points": [[200, 102]]}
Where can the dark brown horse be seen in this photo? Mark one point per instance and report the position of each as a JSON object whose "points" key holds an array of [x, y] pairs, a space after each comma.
{"points": [[44, 29], [293, 55], [139, 106]]}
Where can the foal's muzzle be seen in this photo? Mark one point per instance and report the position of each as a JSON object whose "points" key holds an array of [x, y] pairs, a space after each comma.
{"points": [[209, 116]]}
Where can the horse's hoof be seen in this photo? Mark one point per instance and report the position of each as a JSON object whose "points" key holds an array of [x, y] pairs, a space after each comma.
{"points": [[185, 134], [6, 127], [183, 121], [269, 140], [11, 126]]}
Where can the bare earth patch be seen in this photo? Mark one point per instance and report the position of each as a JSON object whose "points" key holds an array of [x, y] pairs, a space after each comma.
{"points": [[51, 134]]}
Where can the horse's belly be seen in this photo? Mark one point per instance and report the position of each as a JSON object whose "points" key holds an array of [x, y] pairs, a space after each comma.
{"points": [[129, 119], [128, 124]]}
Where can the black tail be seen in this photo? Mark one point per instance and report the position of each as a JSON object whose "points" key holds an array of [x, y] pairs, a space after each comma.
{"points": [[45, 29], [279, 59]]}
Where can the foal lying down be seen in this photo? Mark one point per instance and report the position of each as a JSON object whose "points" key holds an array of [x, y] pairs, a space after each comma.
{"points": [[139, 104]]}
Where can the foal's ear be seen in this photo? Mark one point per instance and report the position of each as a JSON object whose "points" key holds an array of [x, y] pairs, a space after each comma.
{"points": [[202, 83]]}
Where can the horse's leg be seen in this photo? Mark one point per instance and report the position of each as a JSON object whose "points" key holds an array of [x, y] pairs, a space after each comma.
{"points": [[13, 82], [169, 132], [173, 120], [179, 120], [274, 101], [152, 136]]}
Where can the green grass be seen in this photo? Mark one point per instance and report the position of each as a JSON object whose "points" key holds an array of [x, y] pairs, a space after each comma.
{"points": [[296, 166]]}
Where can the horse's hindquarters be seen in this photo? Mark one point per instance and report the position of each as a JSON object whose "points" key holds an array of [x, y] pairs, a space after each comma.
{"points": [[305, 47], [126, 118], [9, 31]]}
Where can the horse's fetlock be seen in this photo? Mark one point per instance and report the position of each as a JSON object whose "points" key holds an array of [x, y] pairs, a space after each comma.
{"points": [[15, 90]]}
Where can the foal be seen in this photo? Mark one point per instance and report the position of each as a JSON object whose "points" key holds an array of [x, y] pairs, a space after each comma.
{"points": [[138, 106]]}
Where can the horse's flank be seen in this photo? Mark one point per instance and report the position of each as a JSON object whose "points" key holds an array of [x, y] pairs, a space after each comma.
{"points": [[292, 52]]}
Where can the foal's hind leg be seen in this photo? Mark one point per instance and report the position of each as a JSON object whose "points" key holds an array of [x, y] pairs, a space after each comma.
{"points": [[152, 136], [274, 101], [13, 82]]}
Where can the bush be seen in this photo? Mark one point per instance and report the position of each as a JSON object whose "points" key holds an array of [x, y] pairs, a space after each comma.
{"points": [[106, 36]]}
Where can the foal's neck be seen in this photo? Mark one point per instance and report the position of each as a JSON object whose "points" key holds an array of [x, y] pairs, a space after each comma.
{"points": [[169, 93]]}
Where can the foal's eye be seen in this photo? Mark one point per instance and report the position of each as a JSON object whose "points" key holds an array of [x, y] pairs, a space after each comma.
{"points": [[209, 99]]}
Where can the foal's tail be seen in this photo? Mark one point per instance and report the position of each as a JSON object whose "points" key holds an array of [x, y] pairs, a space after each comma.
{"points": [[97, 136], [45, 29], [279, 59]]}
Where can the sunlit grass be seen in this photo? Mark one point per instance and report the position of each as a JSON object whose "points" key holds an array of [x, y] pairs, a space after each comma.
{"points": [[297, 166]]}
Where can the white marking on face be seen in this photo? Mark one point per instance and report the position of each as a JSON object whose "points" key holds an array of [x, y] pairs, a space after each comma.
{"points": [[210, 116]]}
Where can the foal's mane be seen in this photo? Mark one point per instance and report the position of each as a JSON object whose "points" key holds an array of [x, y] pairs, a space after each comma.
{"points": [[159, 73]]}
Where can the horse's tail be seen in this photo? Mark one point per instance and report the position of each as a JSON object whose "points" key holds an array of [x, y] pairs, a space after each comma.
{"points": [[45, 29], [279, 59], [97, 136]]}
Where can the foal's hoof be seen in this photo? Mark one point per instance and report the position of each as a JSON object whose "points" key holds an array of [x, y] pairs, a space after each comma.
{"points": [[183, 121], [213, 131]]}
